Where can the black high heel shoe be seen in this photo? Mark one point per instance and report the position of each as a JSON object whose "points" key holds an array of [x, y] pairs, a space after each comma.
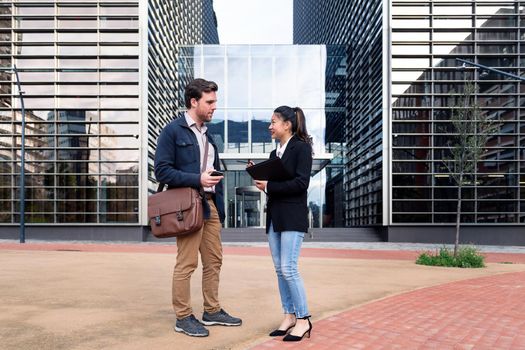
{"points": [[306, 334], [280, 332]]}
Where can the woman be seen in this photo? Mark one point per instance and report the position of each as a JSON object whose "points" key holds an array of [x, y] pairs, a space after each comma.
{"points": [[287, 217]]}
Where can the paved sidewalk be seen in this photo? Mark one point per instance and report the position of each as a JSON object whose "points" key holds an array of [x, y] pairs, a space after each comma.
{"points": [[381, 251], [482, 313], [89, 301]]}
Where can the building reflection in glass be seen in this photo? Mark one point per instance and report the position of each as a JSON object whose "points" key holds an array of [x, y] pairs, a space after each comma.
{"points": [[80, 74], [253, 81], [425, 86]]}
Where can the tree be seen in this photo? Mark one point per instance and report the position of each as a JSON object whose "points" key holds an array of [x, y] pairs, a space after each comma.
{"points": [[471, 131]]}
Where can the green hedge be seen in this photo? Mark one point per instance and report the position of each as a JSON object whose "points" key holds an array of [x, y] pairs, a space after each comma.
{"points": [[468, 257]]}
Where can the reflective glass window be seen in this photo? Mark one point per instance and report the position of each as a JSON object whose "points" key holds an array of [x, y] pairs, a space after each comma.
{"points": [[115, 155], [237, 73], [38, 89], [77, 192], [27, 9], [76, 206], [119, 167], [216, 129], [36, 102], [410, 49], [80, 50], [125, 141], [119, 76], [456, 9], [36, 218], [119, 206], [76, 186], [123, 116], [122, 218], [119, 102], [420, 9], [119, 37], [35, 23], [452, 22], [106, 89], [77, 10], [75, 218], [495, 35], [261, 138], [77, 37], [38, 37], [455, 36], [260, 68], [86, 76], [412, 218], [117, 23], [119, 63], [410, 36], [490, 9], [39, 206], [77, 23], [119, 180], [443, 49], [77, 90], [499, 21], [237, 128], [423, 22], [118, 10], [35, 63], [410, 62]]}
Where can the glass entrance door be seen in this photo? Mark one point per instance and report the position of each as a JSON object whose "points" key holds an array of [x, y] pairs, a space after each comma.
{"points": [[249, 207]]}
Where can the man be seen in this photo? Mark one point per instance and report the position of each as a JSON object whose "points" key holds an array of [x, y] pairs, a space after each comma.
{"points": [[179, 159]]}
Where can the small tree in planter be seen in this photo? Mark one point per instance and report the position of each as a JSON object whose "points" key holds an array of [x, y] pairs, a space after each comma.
{"points": [[471, 131]]}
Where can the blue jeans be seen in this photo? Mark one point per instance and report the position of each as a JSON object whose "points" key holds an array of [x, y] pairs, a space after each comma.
{"points": [[285, 247]]}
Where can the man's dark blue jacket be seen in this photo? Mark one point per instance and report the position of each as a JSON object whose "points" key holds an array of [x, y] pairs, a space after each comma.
{"points": [[177, 161]]}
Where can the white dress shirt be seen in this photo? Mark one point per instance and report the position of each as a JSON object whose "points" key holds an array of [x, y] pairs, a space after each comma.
{"points": [[202, 139]]}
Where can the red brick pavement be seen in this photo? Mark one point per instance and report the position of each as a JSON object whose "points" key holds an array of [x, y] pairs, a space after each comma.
{"points": [[482, 313], [515, 258]]}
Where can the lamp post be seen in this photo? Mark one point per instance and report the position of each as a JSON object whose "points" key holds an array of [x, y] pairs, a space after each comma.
{"points": [[22, 154], [510, 75]]}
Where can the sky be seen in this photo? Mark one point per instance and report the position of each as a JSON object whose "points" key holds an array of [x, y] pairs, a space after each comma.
{"points": [[254, 21]]}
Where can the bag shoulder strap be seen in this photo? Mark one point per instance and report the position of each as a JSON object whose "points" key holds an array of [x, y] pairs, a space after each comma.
{"points": [[206, 149]]}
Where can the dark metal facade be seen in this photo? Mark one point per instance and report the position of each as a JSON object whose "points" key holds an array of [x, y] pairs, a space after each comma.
{"points": [[357, 24], [172, 24], [427, 36]]}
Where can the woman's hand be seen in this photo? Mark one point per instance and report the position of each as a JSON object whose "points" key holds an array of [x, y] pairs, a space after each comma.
{"points": [[261, 185]]}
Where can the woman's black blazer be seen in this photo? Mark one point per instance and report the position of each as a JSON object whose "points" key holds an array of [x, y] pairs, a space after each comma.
{"points": [[286, 207]]}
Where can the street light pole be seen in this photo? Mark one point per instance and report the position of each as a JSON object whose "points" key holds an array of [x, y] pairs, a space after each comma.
{"points": [[22, 161], [510, 75], [22, 234]]}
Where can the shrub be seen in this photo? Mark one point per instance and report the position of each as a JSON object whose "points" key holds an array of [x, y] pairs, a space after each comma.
{"points": [[467, 257]]}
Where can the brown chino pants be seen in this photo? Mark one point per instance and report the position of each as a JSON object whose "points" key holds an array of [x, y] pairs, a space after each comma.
{"points": [[208, 242]]}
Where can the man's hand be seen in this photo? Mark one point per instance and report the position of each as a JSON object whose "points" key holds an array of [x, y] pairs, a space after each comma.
{"points": [[208, 181], [261, 185]]}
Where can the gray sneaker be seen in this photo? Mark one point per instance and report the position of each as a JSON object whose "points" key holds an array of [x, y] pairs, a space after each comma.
{"points": [[220, 317], [191, 326]]}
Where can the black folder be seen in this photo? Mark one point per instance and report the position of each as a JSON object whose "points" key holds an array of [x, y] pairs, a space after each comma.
{"points": [[270, 170]]}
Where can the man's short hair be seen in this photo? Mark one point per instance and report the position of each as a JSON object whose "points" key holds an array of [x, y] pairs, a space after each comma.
{"points": [[195, 89]]}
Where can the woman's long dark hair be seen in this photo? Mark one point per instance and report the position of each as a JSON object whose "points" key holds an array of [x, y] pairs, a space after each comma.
{"points": [[296, 117]]}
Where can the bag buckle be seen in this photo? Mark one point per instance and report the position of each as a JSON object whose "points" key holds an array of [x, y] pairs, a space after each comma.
{"points": [[179, 216], [157, 220]]}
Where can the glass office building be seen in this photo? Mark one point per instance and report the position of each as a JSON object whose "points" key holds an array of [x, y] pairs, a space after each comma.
{"points": [[96, 77], [399, 122], [253, 80]]}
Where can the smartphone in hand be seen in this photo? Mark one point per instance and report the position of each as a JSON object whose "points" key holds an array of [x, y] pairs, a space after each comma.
{"points": [[217, 173]]}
